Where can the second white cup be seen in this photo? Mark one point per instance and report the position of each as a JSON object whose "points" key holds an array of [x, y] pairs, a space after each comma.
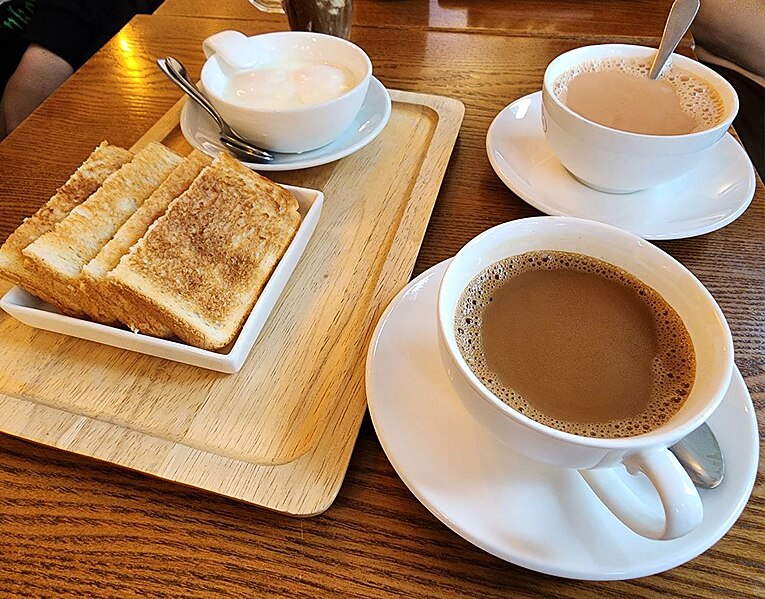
{"points": [[616, 161]]}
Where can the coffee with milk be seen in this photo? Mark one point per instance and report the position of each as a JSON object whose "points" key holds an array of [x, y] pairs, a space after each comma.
{"points": [[616, 92], [576, 344]]}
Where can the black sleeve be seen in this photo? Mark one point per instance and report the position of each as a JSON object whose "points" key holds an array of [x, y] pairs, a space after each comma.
{"points": [[75, 29]]}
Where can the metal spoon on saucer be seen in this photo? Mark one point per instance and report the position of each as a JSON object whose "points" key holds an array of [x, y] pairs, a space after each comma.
{"points": [[233, 141], [699, 454], [680, 17]]}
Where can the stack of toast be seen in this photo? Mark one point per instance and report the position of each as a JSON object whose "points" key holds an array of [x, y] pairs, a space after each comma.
{"points": [[166, 245]]}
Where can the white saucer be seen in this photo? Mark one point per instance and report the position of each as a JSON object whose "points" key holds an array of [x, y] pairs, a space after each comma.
{"points": [[531, 514], [201, 132], [711, 196]]}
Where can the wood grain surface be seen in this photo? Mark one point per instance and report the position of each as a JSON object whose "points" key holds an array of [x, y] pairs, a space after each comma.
{"points": [[636, 21], [72, 526]]}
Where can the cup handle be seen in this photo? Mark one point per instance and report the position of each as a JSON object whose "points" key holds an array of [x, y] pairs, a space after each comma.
{"points": [[682, 507], [273, 6]]}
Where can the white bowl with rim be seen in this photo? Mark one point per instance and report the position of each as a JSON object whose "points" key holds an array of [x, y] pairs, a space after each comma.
{"points": [[298, 128], [615, 161]]}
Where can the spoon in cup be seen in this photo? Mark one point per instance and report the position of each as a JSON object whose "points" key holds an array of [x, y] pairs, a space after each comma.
{"points": [[680, 17]]}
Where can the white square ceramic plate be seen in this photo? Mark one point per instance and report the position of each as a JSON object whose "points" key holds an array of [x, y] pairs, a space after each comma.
{"points": [[28, 309]]}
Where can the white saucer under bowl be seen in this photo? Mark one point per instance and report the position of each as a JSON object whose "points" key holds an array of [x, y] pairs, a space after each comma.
{"points": [[711, 196], [531, 514], [201, 132]]}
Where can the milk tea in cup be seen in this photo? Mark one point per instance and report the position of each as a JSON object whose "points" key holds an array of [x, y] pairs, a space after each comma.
{"points": [[576, 344], [617, 131], [617, 92]]}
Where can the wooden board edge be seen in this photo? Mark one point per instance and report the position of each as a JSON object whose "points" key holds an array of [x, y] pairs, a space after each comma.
{"points": [[162, 128]]}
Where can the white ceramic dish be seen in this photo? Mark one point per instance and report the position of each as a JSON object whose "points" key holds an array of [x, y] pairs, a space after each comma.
{"points": [[531, 514], [284, 127], [28, 309], [618, 161], [201, 132], [709, 197]]}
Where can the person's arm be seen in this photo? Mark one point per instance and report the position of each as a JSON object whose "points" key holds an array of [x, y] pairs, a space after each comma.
{"points": [[38, 74]]}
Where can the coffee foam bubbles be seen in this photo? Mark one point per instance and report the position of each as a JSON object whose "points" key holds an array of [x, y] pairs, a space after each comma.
{"points": [[697, 97], [673, 368]]}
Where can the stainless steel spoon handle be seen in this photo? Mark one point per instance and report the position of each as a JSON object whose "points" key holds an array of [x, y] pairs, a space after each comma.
{"points": [[235, 143], [244, 152], [174, 71], [680, 17], [700, 456]]}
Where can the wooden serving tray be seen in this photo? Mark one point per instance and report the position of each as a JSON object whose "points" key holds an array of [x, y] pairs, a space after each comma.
{"points": [[281, 431]]}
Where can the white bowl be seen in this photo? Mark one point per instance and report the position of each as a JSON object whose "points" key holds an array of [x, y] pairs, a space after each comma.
{"points": [[616, 161], [297, 129]]}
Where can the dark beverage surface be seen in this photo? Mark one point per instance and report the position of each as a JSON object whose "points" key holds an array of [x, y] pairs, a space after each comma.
{"points": [[576, 343], [332, 17]]}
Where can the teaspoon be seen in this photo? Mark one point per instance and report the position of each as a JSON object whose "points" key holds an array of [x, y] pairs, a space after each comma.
{"points": [[231, 140], [699, 454], [680, 17]]}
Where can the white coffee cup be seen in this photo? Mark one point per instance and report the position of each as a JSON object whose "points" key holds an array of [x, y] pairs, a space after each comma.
{"points": [[599, 460], [290, 129], [618, 161]]}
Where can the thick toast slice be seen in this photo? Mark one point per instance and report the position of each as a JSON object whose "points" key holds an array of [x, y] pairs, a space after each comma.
{"points": [[101, 163], [56, 258], [203, 264], [102, 300]]}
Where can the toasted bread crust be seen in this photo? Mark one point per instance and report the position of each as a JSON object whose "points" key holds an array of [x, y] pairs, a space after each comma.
{"points": [[57, 257], [104, 302], [165, 245], [101, 163], [204, 263]]}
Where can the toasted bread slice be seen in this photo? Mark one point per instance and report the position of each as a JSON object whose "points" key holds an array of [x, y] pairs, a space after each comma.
{"points": [[203, 264], [57, 257], [101, 163], [103, 302]]}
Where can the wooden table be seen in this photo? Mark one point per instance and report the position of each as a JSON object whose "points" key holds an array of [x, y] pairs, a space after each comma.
{"points": [[71, 525], [634, 21]]}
